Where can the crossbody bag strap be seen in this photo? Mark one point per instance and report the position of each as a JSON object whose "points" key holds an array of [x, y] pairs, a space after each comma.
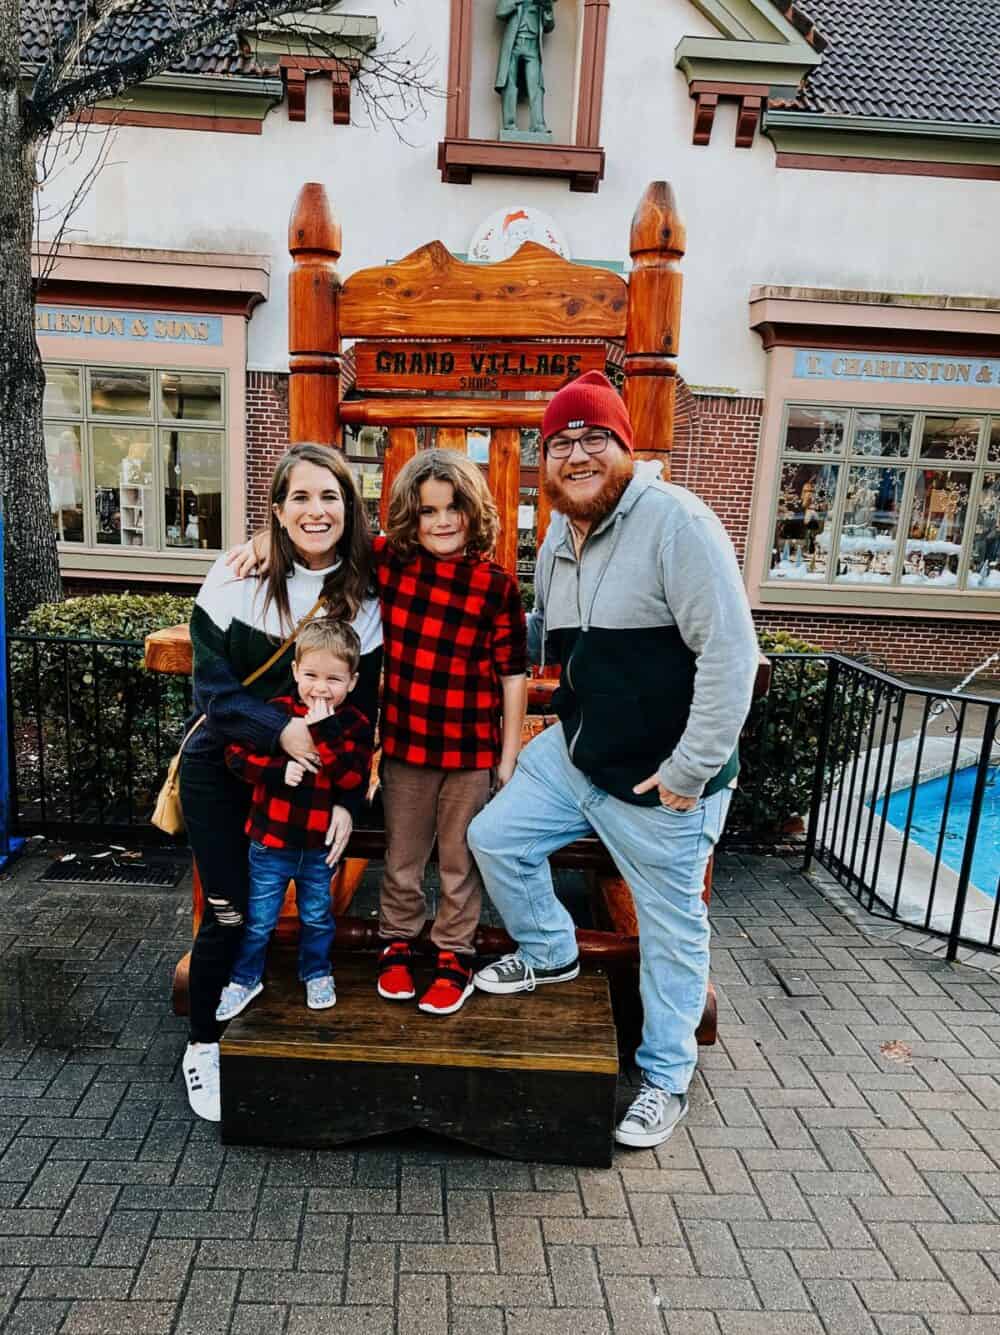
{"points": [[259, 672]]}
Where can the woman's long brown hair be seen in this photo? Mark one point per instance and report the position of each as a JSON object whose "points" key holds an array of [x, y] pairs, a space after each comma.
{"points": [[345, 588]]}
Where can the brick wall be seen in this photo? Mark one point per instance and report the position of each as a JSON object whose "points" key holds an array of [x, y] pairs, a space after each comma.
{"points": [[715, 454], [901, 644], [266, 438]]}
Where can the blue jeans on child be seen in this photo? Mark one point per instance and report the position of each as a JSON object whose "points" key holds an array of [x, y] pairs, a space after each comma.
{"points": [[662, 854], [270, 871]]}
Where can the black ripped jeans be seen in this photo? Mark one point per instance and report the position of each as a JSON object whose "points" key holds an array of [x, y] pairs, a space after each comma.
{"points": [[215, 806]]}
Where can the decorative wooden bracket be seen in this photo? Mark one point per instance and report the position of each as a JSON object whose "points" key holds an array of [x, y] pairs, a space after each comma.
{"points": [[295, 92], [294, 71], [752, 98], [704, 116], [748, 120]]}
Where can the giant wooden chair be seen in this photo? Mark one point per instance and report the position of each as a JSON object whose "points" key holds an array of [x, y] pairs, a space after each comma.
{"points": [[527, 1076]]}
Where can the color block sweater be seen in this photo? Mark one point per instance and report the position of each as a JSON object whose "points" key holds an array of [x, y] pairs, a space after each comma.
{"points": [[653, 630], [231, 637]]}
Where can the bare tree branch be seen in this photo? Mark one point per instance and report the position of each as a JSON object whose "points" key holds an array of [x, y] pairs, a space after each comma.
{"points": [[67, 45], [67, 147], [87, 61]]}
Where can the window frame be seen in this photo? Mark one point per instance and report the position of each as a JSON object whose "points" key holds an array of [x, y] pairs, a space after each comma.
{"points": [[893, 594], [107, 557]]}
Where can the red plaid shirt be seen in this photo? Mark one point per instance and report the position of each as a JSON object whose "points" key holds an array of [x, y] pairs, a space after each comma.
{"points": [[451, 630], [286, 817]]}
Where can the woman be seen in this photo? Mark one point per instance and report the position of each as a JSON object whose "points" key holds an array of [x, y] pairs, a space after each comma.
{"points": [[321, 547]]}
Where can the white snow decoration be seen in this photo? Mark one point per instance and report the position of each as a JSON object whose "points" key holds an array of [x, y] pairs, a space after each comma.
{"points": [[849, 543], [946, 579], [788, 570], [941, 548]]}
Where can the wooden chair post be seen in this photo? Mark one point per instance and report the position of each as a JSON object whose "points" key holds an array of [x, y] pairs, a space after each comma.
{"points": [[314, 320], [652, 332]]}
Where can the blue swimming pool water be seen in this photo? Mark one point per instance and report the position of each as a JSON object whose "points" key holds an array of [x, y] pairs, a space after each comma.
{"points": [[926, 827]]}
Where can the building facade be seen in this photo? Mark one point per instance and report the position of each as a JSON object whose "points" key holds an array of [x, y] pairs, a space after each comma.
{"points": [[838, 171]]}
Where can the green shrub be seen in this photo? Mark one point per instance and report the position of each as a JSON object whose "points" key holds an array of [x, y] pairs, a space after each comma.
{"points": [[94, 731], [119, 616], [779, 746]]}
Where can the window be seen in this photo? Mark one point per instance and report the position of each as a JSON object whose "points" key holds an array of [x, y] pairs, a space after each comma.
{"points": [[890, 497], [136, 456]]}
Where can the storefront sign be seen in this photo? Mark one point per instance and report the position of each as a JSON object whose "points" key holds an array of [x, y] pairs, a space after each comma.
{"points": [[825, 364], [133, 326], [473, 366]]}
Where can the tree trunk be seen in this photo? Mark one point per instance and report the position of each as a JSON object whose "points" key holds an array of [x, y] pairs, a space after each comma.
{"points": [[31, 560]]}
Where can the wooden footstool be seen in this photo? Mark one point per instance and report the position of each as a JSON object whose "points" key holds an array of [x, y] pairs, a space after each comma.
{"points": [[531, 1076]]}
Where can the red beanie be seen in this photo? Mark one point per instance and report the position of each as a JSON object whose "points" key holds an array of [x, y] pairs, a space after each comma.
{"points": [[591, 400]]}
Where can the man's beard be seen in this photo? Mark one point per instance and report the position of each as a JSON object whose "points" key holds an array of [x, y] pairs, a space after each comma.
{"points": [[595, 507]]}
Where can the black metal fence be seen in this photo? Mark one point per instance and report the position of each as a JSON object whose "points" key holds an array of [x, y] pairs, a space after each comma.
{"points": [[895, 787], [905, 809], [91, 735]]}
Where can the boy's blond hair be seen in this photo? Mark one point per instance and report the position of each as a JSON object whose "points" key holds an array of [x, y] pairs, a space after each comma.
{"points": [[332, 637], [471, 494]]}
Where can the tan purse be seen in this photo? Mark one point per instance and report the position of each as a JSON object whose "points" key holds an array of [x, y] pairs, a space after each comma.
{"points": [[167, 814]]}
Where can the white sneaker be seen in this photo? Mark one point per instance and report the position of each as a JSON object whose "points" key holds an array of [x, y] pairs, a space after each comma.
{"points": [[236, 997], [201, 1076], [320, 993], [652, 1118]]}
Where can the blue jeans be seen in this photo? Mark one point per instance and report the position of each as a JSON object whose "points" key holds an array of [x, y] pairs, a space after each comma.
{"points": [[270, 871], [662, 854]]}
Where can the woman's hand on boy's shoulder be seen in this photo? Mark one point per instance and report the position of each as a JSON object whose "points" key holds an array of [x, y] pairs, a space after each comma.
{"points": [[251, 557]]}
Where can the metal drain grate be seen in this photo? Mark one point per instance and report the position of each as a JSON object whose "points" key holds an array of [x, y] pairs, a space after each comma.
{"points": [[109, 871]]}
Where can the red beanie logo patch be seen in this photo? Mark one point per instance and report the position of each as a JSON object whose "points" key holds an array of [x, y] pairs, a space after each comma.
{"points": [[591, 400]]}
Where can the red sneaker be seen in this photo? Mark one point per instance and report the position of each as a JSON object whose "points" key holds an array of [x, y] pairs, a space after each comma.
{"points": [[451, 988], [395, 980]]}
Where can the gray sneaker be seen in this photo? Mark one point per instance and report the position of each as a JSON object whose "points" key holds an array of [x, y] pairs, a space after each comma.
{"points": [[320, 994], [511, 974], [651, 1118], [236, 997]]}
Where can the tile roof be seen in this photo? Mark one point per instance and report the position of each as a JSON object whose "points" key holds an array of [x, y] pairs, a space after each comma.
{"points": [[935, 60], [131, 33]]}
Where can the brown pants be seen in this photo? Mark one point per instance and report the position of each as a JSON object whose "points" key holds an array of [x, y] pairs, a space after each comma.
{"points": [[421, 802]]}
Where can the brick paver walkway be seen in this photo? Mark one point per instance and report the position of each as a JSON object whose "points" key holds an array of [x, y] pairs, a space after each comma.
{"points": [[838, 1171]]}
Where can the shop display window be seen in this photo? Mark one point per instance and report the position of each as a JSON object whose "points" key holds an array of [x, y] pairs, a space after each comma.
{"points": [[866, 552], [993, 443], [901, 498], [984, 565], [64, 453], [802, 531], [122, 473]]}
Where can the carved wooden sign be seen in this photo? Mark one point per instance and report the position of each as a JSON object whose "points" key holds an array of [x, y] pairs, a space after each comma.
{"points": [[473, 366]]}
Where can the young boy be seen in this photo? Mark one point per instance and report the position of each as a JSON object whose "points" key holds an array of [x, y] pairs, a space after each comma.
{"points": [[290, 813]]}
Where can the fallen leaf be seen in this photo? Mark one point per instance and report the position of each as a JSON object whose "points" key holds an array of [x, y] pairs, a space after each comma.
{"points": [[895, 1050]]}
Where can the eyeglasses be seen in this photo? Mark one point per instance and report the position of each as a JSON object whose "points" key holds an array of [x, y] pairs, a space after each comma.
{"points": [[594, 442]]}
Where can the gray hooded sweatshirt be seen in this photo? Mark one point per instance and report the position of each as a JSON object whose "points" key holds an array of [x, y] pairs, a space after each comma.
{"points": [[653, 631]]}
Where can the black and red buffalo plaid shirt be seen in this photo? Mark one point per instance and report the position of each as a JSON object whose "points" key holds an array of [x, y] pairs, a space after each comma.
{"points": [[451, 629], [286, 817]]}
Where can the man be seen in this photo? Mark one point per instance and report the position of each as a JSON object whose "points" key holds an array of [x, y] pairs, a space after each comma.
{"points": [[521, 59], [639, 597]]}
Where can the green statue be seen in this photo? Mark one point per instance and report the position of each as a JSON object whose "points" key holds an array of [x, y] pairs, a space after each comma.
{"points": [[520, 64]]}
